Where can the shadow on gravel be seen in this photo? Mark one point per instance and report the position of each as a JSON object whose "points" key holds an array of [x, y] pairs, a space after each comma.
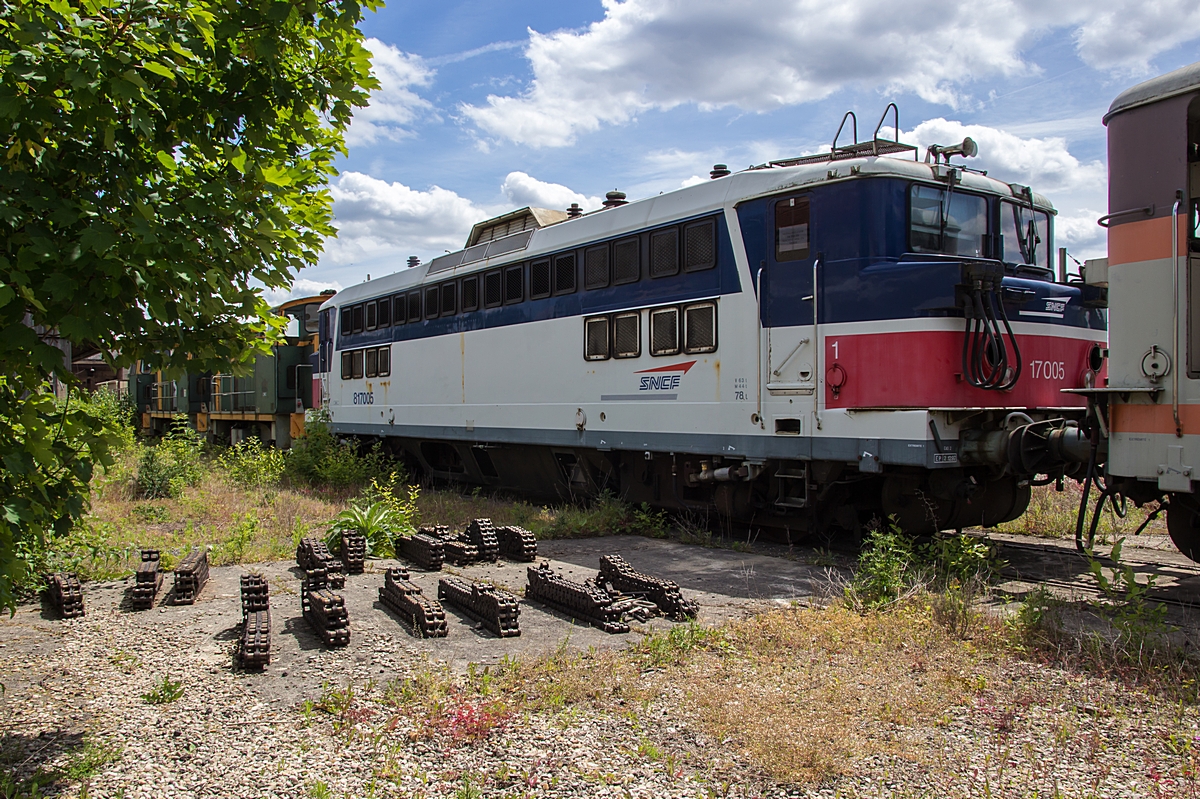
{"points": [[298, 628], [405, 624], [233, 633], [25, 760]]}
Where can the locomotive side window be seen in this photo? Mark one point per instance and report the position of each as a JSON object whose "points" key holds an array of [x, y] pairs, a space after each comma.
{"points": [[371, 308], [470, 294], [356, 364], [627, 261], [596, 338], [700, 246], [791, 229], [414, 306], [358, 318], [372, 359], [385, 361], [664, 253], [700, 328], [514, 285], [449, 298], [564, 273], [595, 267], [627, 335], [431, 302], [539, 279], [664, 331], [347, 365], [347, 315], [951, 223], [398, 312], [1025, 234], [493, 292], [384, 314]]}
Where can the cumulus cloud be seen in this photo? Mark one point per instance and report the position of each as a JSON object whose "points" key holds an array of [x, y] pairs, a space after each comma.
{"points": [[522, 189], [394, 105], [1043, 163], [758, 55], [301, 288], [380, 221]]}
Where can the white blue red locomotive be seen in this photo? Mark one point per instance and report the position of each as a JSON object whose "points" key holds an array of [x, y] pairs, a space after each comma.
{"points": [[807, 343]]}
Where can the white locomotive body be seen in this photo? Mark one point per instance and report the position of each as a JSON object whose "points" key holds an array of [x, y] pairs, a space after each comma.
{"points": [[811, 342]]}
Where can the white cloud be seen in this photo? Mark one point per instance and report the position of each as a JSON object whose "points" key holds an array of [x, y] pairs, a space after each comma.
{"points": [[522, 189], [394, 105], [383, 223], [758, 55], [1123, 36], [1043, 163], [1080, 234], [303, 287]]}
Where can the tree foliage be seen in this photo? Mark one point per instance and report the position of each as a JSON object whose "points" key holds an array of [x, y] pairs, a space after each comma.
{"points": [[158, 160]]}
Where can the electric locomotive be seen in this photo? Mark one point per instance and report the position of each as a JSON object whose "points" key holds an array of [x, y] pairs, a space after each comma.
{"points": [[1145, 421], [806, 344], [268, 403]]}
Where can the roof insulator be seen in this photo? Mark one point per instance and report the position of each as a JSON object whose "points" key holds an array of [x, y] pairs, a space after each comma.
{"points": [[719, 171], [413, 261], [574, 211], [614, 198]]}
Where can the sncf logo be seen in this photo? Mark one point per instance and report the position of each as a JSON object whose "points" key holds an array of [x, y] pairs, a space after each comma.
{"points": [[663, 378]]}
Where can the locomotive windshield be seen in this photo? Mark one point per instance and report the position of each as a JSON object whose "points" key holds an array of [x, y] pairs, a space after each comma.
{"points": [[946, 222], [1026, 234]]}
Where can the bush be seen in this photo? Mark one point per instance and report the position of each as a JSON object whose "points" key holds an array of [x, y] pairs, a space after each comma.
{"points": [[251, 464], [887, 567], [375, 522], [166, 469], [118, 414], [321, 459]]}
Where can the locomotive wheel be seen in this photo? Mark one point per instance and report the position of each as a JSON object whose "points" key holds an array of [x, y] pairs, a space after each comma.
{"points": [[1183, 523]]}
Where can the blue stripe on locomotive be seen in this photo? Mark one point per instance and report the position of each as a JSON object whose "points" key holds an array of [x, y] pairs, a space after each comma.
{"points": [[680, 288], [859, 228]]}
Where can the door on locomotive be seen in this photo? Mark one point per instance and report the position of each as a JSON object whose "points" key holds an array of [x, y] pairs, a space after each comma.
{"points": [[1153, 397]]}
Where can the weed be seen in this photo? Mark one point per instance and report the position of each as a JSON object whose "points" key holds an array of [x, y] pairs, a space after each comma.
{"points": [[468, 790], [91, 760], [251, 464], [885, 569], [1140, 622], [164, 470], [319, 790], [151, 514], [321, 459], [164, 692], [246, 528], [126, 662], [375, 522]]}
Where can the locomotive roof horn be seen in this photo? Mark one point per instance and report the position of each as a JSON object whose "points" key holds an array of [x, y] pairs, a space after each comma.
{"points": [[968, 149]]}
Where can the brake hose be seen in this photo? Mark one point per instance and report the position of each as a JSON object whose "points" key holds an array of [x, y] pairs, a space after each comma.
{"points": [[985, 358]]}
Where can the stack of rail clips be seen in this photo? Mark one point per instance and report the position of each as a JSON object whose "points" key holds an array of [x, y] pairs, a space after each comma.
{"points": [[459, 550], [190, 576], [148, 580], [402, 596], [255, 649], [354, 552], [617, 575], [497, 610], [583, 601], [424, 548], [65, 594], [312, 554], [517, 543], [482, 535], [324, 610]]}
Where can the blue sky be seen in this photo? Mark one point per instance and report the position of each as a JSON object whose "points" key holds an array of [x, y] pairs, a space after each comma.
{"points": [[489, 106]]}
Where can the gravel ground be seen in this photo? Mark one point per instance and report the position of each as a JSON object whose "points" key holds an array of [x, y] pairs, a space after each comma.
{"points": [[236, 734]]}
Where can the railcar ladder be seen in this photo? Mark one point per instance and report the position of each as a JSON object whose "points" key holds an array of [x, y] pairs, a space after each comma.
{"points": [[791, 484]]}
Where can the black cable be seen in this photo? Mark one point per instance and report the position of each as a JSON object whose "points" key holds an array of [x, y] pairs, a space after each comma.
{"points": [[1087, 489], [1016, 349]]}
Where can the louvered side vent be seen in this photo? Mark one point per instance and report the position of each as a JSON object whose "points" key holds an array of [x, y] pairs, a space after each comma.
{"points": [[627, 337], [448, 299], [470, 293], [492, 291], [564, 274], [627, 262], [514, 284], [371, 316], [699, 246], [539, 280], [596, 333], [664, 331], [595, 267], [431, 302], [414, 306], [700, 328], [664, 253]]}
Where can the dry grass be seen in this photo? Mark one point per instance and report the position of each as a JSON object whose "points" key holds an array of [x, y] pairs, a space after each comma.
{"points": [[1051, 514]]}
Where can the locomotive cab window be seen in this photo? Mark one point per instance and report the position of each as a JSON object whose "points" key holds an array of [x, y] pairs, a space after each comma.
{"points": [[947, 222], [1025, 234], [596, 338], [791, 229]]}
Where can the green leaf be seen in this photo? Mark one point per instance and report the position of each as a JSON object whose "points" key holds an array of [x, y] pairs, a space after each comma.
{"points": [[158, 69]]}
